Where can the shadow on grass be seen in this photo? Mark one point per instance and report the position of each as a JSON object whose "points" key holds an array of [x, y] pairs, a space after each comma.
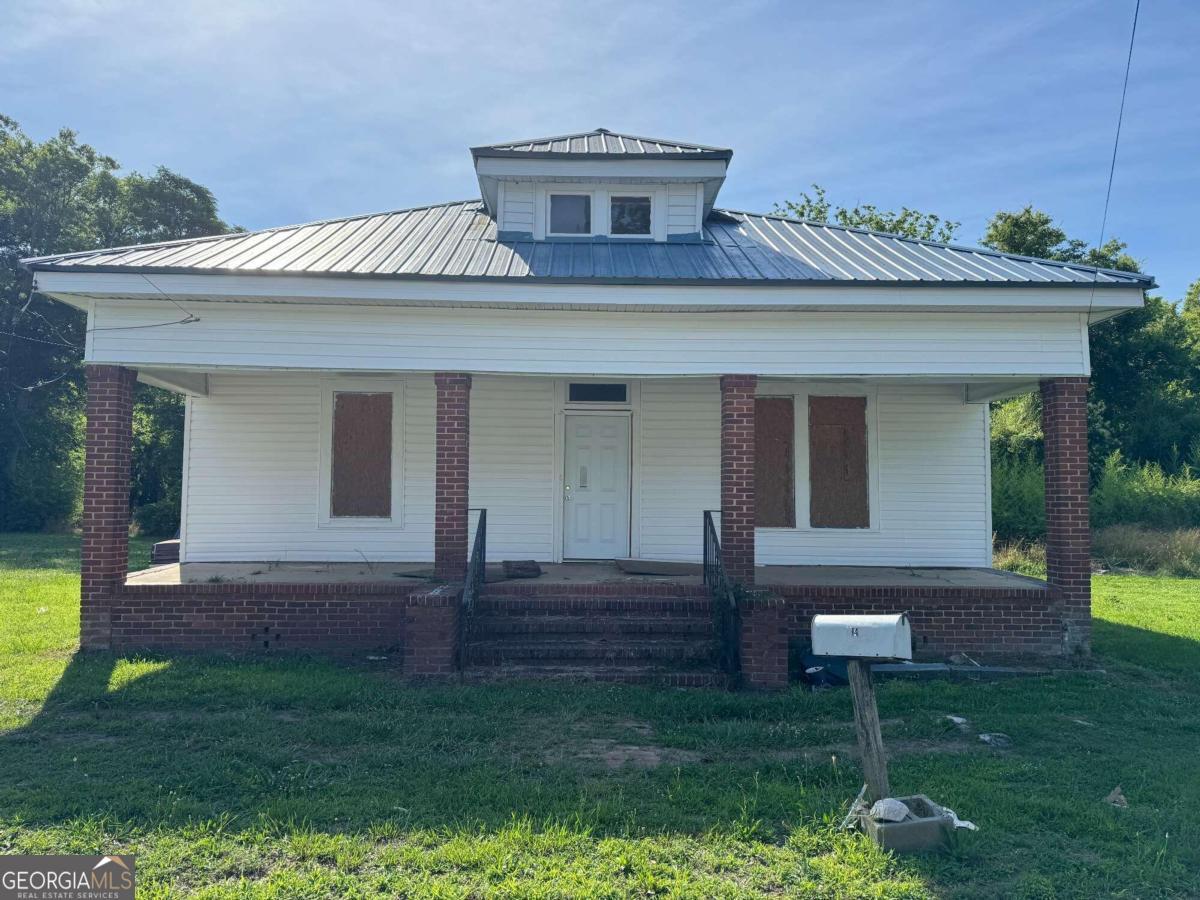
{"points": [[1165, 654], [170, 739]]}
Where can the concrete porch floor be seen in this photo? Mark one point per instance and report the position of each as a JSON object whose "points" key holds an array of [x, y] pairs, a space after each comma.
{"points": [[572, 573]]}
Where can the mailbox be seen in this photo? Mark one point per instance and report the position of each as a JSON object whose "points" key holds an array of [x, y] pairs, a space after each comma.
{"points": [[863, 637]]}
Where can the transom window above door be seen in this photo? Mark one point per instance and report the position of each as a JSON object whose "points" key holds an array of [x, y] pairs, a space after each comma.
{"points": [[597, 392]]}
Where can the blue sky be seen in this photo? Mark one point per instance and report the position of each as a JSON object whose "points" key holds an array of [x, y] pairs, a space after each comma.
{"points": [[292, 111]]}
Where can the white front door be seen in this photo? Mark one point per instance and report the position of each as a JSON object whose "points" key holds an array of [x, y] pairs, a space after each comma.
{"points": [[596, 488]]}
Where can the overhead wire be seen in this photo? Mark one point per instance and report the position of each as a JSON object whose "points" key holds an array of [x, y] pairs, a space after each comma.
{"points": [[1112, 165]]}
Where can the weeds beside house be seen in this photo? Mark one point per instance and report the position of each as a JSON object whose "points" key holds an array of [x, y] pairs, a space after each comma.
{"points": [[1145, 516]]}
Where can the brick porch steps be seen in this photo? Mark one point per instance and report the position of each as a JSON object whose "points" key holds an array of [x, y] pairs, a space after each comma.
{"points": [[666, 638], [610, 625], [563, 649], [608, 674]]}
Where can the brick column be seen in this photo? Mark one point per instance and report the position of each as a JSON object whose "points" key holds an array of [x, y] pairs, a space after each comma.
{"points": [[737, 476], [1068, 534], [104, 555], [431, 632], [451, 474], [764, 643]]}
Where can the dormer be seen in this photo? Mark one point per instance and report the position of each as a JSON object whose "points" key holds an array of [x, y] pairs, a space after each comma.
{"points": [[600, 185]]}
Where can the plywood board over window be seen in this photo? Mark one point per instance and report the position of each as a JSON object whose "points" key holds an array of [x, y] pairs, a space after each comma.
{"points": [[775, 462], [361, 477], [839, 495]]}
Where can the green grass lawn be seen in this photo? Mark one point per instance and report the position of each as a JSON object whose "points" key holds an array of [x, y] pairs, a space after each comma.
{"points": [[285, 776]]}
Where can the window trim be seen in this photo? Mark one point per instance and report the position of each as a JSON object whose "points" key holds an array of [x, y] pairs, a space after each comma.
{"points": [[803, 474], [551, 194], [364, 385], [601, 210]]}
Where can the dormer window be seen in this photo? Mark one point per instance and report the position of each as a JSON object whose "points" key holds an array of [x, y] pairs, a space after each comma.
{"points": [[630, 214], [570, 214], [599, 185], [614, 211]]}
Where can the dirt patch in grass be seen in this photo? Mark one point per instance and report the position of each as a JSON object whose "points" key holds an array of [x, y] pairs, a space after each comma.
{"points": [[613, 755]]}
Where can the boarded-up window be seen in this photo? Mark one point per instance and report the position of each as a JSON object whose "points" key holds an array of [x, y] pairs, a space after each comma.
{"points": [[361, 480], [837, 462], [774, 462]]}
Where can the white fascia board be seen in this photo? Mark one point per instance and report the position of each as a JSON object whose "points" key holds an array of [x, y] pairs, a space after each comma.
{"points": [[76, 287], [664, 169]]}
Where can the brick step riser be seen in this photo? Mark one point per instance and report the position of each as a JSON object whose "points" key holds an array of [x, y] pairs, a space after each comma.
{"points": [[557, 606], [498, 627], [607, 674], [498, 654], [599, 591]]}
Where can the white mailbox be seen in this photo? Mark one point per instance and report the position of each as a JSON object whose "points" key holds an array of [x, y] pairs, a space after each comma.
{"points": [[865, 637]]}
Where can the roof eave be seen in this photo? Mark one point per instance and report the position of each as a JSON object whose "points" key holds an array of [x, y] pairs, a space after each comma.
{"points": [[615, 282], [493, 153]]}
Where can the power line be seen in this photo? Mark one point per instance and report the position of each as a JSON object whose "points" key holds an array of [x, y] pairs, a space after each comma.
{"points": [[1112, 165]]}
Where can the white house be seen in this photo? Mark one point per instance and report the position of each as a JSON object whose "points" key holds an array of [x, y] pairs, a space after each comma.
{"points": [[596, 354]]}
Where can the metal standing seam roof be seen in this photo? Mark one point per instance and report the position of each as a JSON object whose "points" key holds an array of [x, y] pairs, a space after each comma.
{"points": [[601, 143], [458, 241]]}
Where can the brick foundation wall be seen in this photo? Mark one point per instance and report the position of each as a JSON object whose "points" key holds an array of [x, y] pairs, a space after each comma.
{"points": [[1068, 531], [451, 478], [944, 621], [737, 476], [260, 616], [104, 553]]}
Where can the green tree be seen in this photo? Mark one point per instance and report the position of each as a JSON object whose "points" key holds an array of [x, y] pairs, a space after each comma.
{"points": [[906, 223], [1145, 388], [1031, 232], [58, 196], [1190, 312]]}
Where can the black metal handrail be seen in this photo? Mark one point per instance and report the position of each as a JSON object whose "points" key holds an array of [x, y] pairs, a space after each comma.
{"points": [[474, 579], [725, 610]]}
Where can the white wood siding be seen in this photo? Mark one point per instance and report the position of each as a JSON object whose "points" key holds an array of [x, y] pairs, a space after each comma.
{"points": [[683, 208], [680, 456], [516, 207], [512, 465], [934, 504], [377, 338], [252, 477]]}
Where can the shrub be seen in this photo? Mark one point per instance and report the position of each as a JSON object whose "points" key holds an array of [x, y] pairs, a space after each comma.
{"points": [[1022, 557], [1018, 497], [1145, 495], [1174, 552], [41, 485], [159, 519], [1156, 552]]}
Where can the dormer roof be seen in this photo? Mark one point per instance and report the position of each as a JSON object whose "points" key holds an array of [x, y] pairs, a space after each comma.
{"points": [[600, 143], [599, 157]]}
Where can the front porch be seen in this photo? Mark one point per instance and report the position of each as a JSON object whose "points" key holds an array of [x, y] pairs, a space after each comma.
{"points": [[576, 574], [299, 535]]}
